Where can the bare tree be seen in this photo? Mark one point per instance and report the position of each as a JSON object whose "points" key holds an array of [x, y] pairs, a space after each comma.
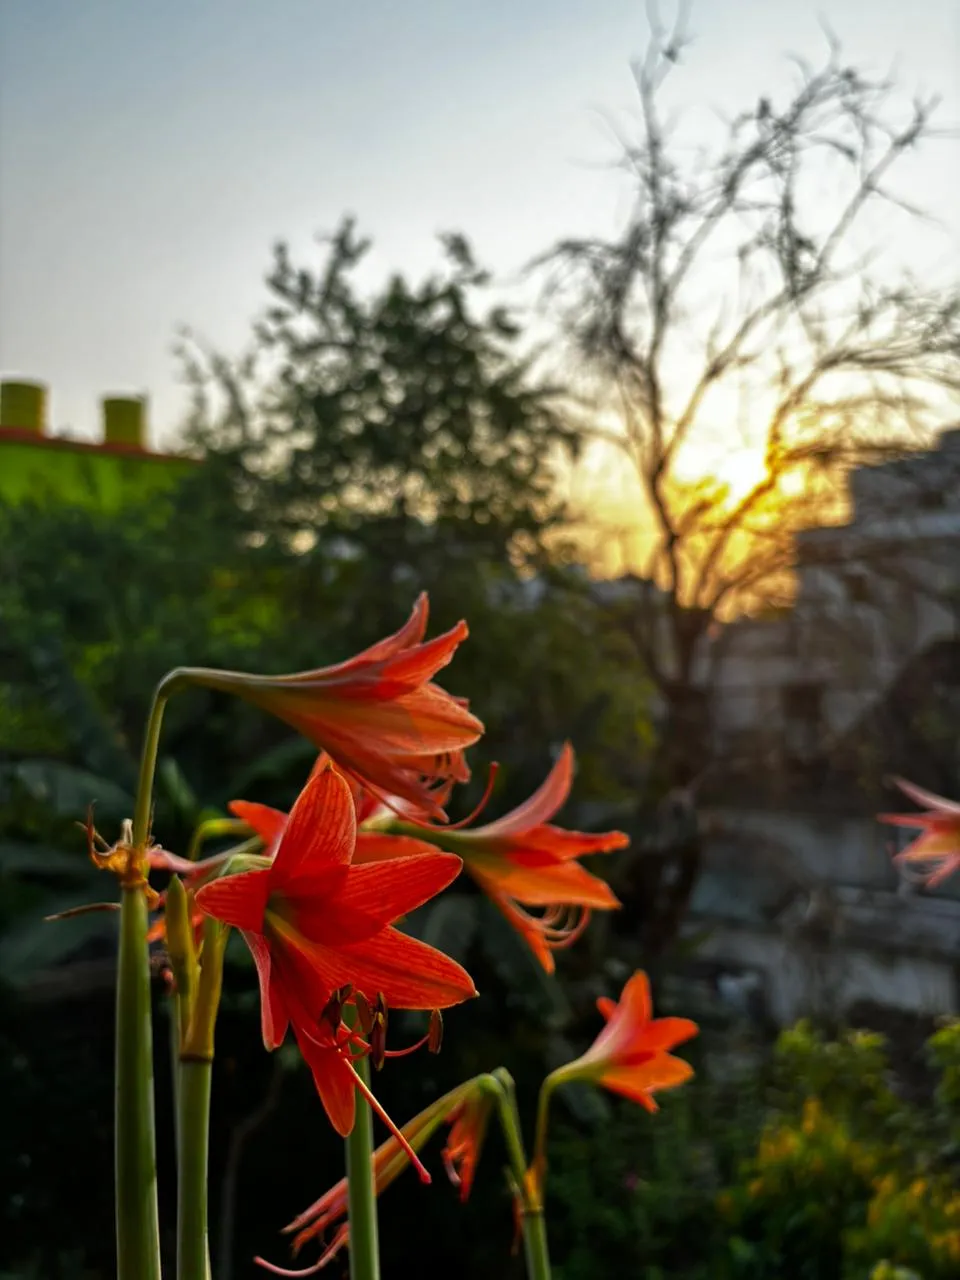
{"points": [[748, 275]]}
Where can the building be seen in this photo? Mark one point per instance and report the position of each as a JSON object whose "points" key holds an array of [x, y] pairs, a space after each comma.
{"points": [[809, 711], [36, 466]]}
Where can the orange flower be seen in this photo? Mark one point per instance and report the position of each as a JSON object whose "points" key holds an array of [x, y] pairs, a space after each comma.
{"points": [[940, 826], [466, 1109], [379, 715], [522, 861], [315, 924], [630, 1056]]}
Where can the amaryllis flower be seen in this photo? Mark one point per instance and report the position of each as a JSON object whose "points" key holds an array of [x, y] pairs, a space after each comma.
{"points": [[379, 714], [316, 924], [630, 1055], [466, 1109], [939, 842], [528, 867]]}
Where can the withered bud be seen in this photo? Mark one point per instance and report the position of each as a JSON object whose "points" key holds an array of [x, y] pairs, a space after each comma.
{"points": [[435, 1032], [364, 1012], [377, 1040], [381, 1007], [332, 1014]]}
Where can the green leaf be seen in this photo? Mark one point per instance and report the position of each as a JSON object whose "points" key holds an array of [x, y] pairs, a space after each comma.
{"points": [[68, 792], [38, 944], [40, 860]]}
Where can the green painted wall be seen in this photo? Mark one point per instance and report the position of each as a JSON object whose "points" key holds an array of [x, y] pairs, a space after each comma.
{"points": [[58, 471]]}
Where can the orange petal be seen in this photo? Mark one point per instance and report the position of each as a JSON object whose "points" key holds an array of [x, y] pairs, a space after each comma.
{"points": [[664, 1033], [663, 1072], [320, 832], [333, 1078], [928, 799], [548, 844], [410, 974], [273, 1014], [368, 897], [267, 823], [567, 883], [238, 900], [411, 668], [378, 846], [607, 1007], [543, 804]]}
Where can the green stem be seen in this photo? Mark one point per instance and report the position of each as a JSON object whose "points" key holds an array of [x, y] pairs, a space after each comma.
{"points": [[194, 1126], [361, 1191], [193, 1118], [535, 1249], [526, 1180], [540, 1137], [138, 1237]]}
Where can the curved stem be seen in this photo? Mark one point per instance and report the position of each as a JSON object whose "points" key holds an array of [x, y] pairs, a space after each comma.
{"points": [[138, 1236], [361, 1191], [527, 1181], [540, 1136], [148, 767]]}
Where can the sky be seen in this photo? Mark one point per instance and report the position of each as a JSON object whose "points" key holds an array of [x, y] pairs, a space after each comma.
{"points": [[151, 154]]}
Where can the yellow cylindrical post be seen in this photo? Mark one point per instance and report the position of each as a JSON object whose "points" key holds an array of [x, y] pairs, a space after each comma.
{"points": [[23, 405], [124, 421]]}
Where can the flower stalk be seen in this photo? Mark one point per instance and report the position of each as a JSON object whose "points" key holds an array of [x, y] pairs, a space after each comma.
{"points": [[361, 1190], [525, 1188], [135, 1155], [138, 1236], [193, 1122]]}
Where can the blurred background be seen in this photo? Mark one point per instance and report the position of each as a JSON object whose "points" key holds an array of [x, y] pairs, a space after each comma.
{"points": [[630, 334]]}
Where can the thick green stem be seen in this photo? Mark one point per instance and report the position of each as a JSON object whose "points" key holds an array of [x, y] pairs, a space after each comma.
{"points": [[193, 1119], [194, 1126], [361, 1191], [138, 1237], [526, 1181], [535, 1249]]}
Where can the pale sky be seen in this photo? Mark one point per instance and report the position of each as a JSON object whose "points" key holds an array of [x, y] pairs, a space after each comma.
{"points": [[151, 153]]}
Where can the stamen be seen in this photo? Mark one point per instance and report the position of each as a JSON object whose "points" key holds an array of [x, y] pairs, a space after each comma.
{"points": [[411, 1155], [411, 1048], [559, 926], [482, 803], [332, 1248]]}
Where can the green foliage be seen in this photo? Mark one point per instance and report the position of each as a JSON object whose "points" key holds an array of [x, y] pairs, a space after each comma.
{"points": [[824, 1173]]}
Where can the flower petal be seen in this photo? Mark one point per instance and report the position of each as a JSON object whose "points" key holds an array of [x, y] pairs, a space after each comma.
{"points": [[378, 846], [238, 900], [333, 1078], [321, 830], [662, 1072], [273, 1014], [543, 804], [664, 1033], [367, 898], [409, 974], [267, 823], [565, 883], [927, 799]]}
